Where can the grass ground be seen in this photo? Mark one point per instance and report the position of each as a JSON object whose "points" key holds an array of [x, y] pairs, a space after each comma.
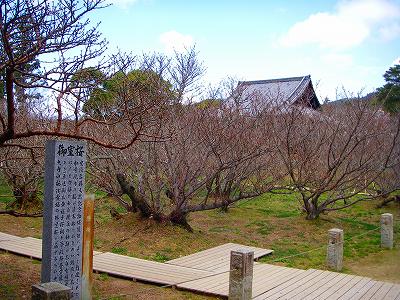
{"points": [[269, 221]]}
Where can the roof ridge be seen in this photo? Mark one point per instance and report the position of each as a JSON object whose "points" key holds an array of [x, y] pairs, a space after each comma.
{"points": [[296, 90], [274, 80]]}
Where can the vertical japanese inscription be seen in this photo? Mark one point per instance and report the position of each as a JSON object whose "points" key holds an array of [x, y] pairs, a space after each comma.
{"points": [[63, 213]]}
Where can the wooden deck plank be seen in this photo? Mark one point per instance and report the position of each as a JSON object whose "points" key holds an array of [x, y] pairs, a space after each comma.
{"points": [[304, 292], [267, 281], [219, 284], [143, 275], [307, 285], [344, 288], [368, 295], [217, 251], [345, 279], [209, 283], [292, 291], [198, 256], [290, 285], [354, 289], [117, 259], [23, 247], [360, 293], [322, 289], [393, 293], [218, 262], [217, 258], [33, 239], [135, 268], [383, 290], [8, 237]]}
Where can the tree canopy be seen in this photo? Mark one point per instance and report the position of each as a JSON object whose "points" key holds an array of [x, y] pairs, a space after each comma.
{"points": [[389, 94], [141, 86]]}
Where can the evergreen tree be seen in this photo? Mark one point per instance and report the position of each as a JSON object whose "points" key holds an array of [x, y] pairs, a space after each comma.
{"points": [[389, 94]]}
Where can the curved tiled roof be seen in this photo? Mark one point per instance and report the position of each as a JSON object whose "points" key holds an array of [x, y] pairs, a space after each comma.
{"points": [[278, 91]]}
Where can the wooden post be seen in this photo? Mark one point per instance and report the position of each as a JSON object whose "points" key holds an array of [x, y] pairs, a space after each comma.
{"points": [[241, 275], [87, 248], [387, 231], [51, 291]]}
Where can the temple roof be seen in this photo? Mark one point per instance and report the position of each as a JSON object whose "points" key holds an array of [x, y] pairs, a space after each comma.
{"points": [[280, 91]]}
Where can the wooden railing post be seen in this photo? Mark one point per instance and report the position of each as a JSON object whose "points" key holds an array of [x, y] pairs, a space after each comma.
{"points": [[87, 247]]}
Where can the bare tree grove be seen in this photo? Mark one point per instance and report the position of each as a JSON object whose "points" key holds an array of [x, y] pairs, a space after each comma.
{"points": [[152, 147]]}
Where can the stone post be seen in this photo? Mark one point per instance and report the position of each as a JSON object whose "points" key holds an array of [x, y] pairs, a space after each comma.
{"points": [[51, 291], [334, 255], [241, 275], [387, 231]]}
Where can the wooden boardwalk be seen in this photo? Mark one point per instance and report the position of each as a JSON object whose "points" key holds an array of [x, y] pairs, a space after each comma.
{"points": [[265, 277], [208, 272], [145, 270], [215, 259]]}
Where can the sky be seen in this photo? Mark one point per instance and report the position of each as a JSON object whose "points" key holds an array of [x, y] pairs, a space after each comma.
{"points": [[341, 44]]}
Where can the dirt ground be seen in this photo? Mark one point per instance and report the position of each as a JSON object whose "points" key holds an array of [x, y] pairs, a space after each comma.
{"points": [[383, 266]]}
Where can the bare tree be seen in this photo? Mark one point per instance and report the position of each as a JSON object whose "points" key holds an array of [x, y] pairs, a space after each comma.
{"points": [[214, 157], [185, 72], [22, 170], [334, 155], [48, 47], [387, 182], [51, 63]]}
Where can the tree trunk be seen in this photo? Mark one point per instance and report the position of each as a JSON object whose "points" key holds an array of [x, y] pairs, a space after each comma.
{"points": [[179, 218], [25, 199], [311, 209], [312, 215], [387, 200], [225, 203], [137, 199]]}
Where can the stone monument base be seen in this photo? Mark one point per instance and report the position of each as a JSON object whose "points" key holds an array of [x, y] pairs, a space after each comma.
{"points": [[51, 291]]}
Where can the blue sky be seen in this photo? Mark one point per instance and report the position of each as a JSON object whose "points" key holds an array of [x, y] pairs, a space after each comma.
{"points": [[340, 43]]}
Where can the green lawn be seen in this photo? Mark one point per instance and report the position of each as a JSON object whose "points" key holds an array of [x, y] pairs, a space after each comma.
{"points": [[269, 221], [5, 192]]}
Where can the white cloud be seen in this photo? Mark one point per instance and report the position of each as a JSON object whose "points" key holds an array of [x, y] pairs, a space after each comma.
{"points": [[351, 23], [396, 61], [175, 41]]}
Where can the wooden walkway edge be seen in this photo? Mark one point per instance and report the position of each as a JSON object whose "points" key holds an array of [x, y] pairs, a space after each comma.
{"points": [[208, 272]]}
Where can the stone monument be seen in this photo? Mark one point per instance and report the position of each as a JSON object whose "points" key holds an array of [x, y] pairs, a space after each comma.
{"points": [[62, 214]]}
